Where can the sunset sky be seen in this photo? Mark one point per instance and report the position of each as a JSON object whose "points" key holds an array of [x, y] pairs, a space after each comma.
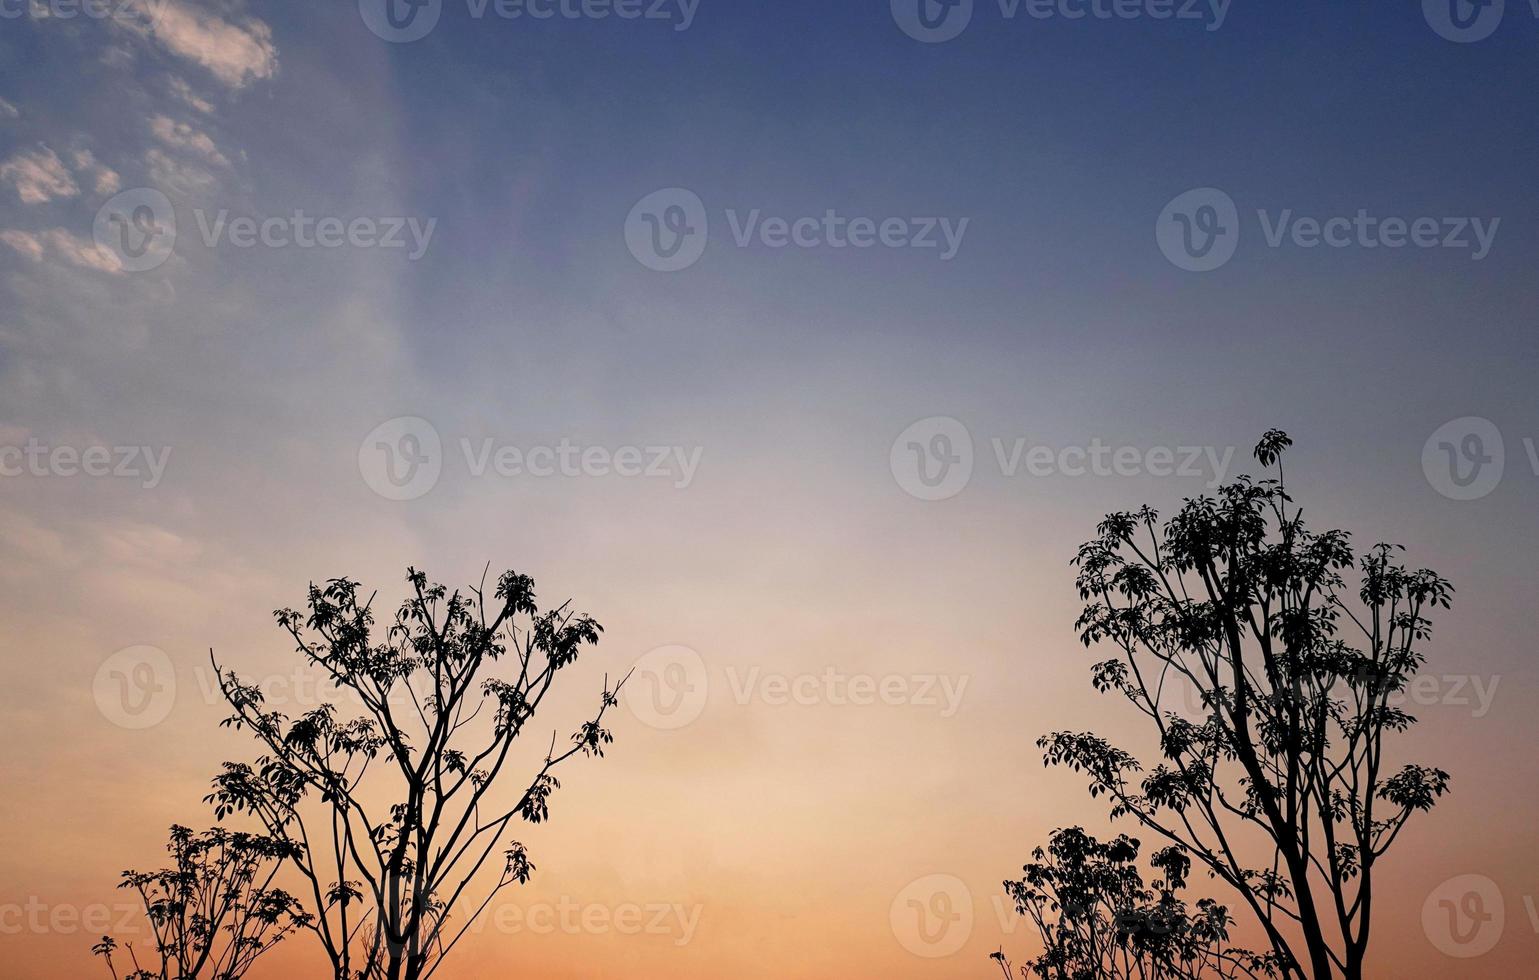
{"points": [[572, 323]]}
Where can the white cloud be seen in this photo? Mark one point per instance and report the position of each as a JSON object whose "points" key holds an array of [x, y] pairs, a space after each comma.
{"points": [[236, 53], [183, 91], [8, 111], [181, 179], [105, 179], [23, 242], [39, 176], [80, 251], [117, 56], [186, 137], [60, 244]]}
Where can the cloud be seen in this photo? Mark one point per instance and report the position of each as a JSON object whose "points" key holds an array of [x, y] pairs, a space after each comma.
{"points": [[77, 251], [32, 543], [183, 91], [39, 176], [181, 179], [23, 242], [235, 53], [81, 252], [148, 544], [8, 111], [105, 179], [117, 56], [185, 137]]}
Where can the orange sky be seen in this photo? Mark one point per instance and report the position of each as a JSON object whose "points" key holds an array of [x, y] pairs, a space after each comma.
{"points": [[769, 836]]}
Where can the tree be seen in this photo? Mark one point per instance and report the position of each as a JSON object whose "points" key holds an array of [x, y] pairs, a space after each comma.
{"points": [[392, 812], [1283, 790], [215, 911], [1098, 920]]}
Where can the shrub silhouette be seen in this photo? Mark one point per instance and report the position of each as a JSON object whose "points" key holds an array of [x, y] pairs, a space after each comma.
{"points": [[1097, 920], [215, 911]]}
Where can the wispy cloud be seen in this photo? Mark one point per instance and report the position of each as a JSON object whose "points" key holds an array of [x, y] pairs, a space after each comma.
{"points": [[104, 179], [183, 91], [235, 52], [62, 245], [186, 137], [176, 176], [23, 536], [39, 176], [8, 111], [23, 242], [117, 56], [80, 252]]}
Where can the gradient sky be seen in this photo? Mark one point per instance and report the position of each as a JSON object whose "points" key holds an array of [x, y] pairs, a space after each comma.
{"points": [[794, 547]]}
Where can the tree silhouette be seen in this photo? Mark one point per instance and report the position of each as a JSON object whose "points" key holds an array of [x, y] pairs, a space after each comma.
{"points": [[1282, 790], [1098, 920], [215, 911], [392, 812]]}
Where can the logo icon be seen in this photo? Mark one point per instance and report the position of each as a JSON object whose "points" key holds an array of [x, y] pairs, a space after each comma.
{"points": [[1199, 230], [402, 458], [667, 230], [400, 21], [1463, 917], [1464, 459], [135, 688], [137, 227], [933, 916], [1464, 21], [932, 21], [668, 687], [933, 458]]}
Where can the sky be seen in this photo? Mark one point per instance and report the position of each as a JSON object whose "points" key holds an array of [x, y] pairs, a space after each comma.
{"points": [[800, 344]]}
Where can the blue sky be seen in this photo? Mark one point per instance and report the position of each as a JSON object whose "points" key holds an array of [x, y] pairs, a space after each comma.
{"points": [[527, 320]]}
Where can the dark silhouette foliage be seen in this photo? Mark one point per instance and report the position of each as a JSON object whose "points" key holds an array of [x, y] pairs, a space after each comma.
{"points": [[1282, 787], [390, 812], [1098, 920], [214, 911]]}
